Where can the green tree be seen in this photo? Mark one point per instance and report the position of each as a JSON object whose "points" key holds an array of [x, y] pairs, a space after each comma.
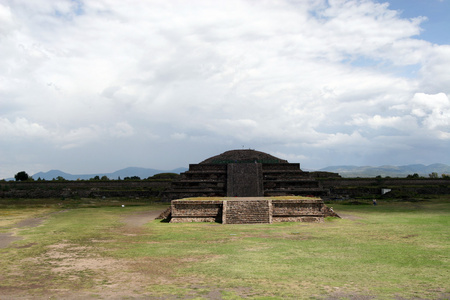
{"points": [[434, 175], [21, 176], [415, 175], [164, 176]]}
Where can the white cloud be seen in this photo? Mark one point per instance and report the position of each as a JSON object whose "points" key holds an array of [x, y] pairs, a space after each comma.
{"points": [[21, 128], [122, 129], [80, 136], [6, 20], [430, 103], [435, 70], [178, 136], [404, 123], [310, 73], [343, 140], [433, 109]]}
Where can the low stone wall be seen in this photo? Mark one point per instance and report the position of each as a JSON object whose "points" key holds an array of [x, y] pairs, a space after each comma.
{"points": [[249, 210], [298, 210], [82, 189], [282, 166], [208, 167], [400, 187], [358, 182], [196, 211]]}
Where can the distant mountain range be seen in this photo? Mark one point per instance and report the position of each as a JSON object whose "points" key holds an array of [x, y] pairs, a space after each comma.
{"points": [[142, 173], [392, 171], [344, 171]]}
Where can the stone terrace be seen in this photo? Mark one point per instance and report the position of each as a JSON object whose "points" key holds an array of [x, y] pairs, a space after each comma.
{"points": [[244, 173], [249, 210]]}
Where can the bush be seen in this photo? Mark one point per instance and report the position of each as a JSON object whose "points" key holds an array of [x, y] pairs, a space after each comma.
{"points": [[165, 176], [21, 176]]}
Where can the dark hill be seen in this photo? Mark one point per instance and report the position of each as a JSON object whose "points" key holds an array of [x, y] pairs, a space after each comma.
{"points": [[142, 173], [392, 171]]}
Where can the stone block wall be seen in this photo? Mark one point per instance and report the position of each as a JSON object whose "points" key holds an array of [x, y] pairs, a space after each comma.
{"points": [[247, 211], [298, 210], [208, 168], [245, 180], [83, 189], [282, 166], [196, 211]]}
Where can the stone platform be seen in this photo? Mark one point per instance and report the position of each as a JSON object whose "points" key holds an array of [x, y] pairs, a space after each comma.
{"points": [[249, 210], [244, 173]]}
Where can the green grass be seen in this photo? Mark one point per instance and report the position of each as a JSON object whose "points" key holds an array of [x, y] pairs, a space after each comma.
{"points": [[58, 203], [390, 251]]}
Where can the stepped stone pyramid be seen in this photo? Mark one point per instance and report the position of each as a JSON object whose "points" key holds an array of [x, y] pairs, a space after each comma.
{"points": [[244, 173]]}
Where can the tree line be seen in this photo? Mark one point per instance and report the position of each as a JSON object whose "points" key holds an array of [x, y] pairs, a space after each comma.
{"points": [[23, 176]]}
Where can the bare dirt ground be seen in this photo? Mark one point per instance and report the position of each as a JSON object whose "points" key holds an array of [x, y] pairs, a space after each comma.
{"points": [[90, 275], [349, 217], [112, 278], [139, 219], [6, 238]]}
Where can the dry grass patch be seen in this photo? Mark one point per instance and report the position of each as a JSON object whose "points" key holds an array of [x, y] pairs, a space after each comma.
{"points": [[391, 251], [11, 217]]}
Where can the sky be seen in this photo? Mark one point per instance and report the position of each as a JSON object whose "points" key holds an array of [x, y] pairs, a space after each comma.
{"points": [[90, 86]]}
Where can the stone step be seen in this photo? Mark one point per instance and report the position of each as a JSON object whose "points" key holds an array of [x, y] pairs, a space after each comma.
{"points": [[242, 212]]}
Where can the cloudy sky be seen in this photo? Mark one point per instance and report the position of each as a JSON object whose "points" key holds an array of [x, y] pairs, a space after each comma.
{"points": [[91, 86]]}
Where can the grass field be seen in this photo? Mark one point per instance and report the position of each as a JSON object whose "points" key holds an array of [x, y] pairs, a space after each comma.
{"points": [[395, 250]]}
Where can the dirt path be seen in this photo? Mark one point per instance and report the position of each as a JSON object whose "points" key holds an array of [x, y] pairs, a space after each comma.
{"points": [[141, 218], [133, 220], [349, 217], [6, 238]]}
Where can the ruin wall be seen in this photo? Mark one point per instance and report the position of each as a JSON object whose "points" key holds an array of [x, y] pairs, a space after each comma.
{"points": [[196, 211], [82, 189], [244, 180], [360, 187], [249, 211]]}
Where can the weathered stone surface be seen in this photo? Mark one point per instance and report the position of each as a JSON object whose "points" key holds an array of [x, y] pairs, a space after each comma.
{"points": [[243, 156], [244, 173], [165, 215], [245, 180], [249, 210], [82, 189], [196, 211], [191, 219]]}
